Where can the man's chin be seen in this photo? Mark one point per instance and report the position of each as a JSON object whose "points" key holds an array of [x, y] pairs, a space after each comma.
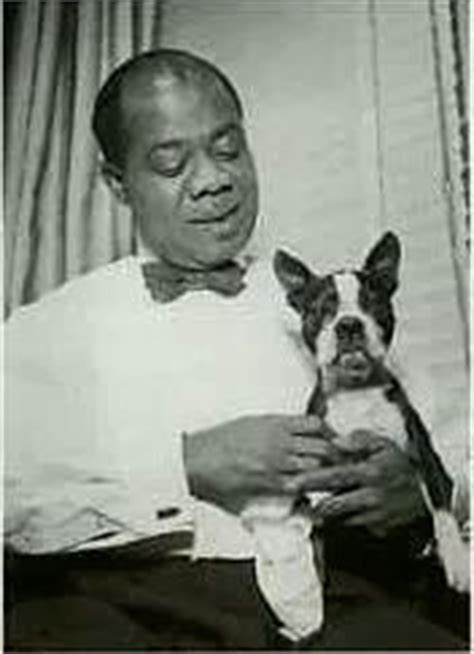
{"points": [[206, 257], [220, 252]]}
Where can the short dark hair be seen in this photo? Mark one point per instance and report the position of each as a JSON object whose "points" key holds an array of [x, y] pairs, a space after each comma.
{"points": [[108, 122]]}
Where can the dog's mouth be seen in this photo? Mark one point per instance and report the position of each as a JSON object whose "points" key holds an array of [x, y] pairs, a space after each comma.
{"points": [[353, 367]]}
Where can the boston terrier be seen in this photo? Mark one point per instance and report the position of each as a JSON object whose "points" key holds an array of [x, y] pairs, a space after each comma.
{"points": [[348, 323]]}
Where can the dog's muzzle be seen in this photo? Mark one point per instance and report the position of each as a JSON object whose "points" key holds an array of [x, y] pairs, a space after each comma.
{"points": [[350, 332], [353, 361]]}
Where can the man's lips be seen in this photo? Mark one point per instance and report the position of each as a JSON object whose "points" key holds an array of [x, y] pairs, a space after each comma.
{"points": [[218, 217]]}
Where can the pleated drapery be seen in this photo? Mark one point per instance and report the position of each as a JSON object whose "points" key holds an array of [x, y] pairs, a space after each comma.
{"points": [[60, 220]]}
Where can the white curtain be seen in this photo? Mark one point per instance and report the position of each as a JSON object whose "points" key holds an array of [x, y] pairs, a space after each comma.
{"points": [[356, 128], [421, 163], [60, 220]]}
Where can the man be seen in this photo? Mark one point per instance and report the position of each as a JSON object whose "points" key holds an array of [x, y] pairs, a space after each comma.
{"points": [[148, 402]]}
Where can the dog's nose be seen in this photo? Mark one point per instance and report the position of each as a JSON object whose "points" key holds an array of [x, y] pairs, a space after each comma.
{"points": [[350, 327]]}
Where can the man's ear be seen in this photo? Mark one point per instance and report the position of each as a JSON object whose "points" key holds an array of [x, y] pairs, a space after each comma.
{"points": [[113, 177], [294, 276], [383, 262]]}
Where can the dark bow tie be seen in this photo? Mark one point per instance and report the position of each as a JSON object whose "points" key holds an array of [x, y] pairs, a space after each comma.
{"points": [[166, 282]]}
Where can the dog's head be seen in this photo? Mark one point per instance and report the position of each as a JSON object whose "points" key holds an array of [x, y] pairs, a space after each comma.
{"points": [[348, 319]]}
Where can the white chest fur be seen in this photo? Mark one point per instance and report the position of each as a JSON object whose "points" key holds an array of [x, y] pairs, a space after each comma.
{"points": [[366, 409]]}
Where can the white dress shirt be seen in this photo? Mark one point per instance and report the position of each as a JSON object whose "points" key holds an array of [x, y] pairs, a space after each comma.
{"points": [[101, 382]]}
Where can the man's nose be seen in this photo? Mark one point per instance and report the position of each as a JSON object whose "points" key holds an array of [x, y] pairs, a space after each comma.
{"points": [[207, 177]]}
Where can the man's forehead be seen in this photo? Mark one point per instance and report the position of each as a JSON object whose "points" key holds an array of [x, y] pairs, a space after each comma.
{"points": [[175, 99], [148, 82]]}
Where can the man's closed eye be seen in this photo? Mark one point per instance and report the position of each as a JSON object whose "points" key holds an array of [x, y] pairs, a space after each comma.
{"points": [[168, 161]]}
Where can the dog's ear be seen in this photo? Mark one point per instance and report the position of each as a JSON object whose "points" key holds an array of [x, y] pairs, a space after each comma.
{"points": [[295, 278], [383, 262]]}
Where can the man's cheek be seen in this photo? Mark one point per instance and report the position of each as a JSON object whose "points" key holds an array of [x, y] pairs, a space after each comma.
{"points": [[243, 174]]}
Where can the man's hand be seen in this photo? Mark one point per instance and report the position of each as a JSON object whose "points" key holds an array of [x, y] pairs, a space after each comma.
{"points": [[376, 486], [253, 456]]}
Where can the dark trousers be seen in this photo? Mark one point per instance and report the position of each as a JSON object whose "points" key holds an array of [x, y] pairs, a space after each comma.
{"points": [[100, 604]]}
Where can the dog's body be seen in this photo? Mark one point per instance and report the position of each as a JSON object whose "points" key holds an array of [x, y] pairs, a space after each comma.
{"points": [[365, 409], [348, 323]]}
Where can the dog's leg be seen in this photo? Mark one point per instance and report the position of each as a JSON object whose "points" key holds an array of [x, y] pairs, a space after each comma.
{"points": [[437, 488]]}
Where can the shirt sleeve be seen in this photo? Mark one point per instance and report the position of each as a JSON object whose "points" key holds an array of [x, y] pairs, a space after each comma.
{"points": [[60, 508], [65, 487]]}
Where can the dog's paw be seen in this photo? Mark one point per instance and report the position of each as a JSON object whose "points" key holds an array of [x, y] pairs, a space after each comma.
{"points": [[457, 570], [453, 551]]}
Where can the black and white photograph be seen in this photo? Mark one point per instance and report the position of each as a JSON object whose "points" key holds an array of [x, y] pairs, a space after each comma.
{"points": [[236, 335]]}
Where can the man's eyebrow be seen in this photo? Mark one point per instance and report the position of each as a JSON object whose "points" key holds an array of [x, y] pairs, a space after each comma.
{"points": [[224, 129], [168, 145], [176, 144]]}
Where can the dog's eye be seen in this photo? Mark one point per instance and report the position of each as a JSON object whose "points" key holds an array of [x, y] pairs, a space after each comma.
{"points": [[329, 303], [375, 286], [369, 293]]}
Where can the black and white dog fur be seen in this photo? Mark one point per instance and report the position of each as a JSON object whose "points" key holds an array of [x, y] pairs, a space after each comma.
{"points": [[347, 323]]}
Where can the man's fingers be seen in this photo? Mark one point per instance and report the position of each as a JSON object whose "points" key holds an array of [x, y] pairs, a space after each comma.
{"points": [[302, 424], [308, 426], [334, 478], [317, 447], [354, 502]]}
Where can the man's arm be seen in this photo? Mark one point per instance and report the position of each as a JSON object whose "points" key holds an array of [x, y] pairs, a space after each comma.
{"points": [[56, 502], [73, 477], [69, 486], [255, 456]]}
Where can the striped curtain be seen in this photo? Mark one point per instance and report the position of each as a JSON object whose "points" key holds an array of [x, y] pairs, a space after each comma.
{"points": [[60, 220]]}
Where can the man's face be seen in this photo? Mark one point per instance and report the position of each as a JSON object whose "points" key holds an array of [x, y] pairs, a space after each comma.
{"points": [[189, 176]]}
